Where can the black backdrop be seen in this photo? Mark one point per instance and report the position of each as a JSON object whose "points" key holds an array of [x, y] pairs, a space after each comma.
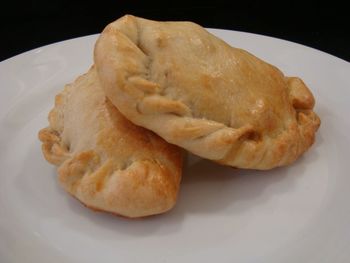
{"points": [[30, 24]]}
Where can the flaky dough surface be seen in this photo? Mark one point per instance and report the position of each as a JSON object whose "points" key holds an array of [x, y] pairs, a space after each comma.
{"points": [[104, 160], [196, 91]]}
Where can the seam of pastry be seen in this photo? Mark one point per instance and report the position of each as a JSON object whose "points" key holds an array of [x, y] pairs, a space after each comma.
{"points": [[279, 136], [86, 174]]}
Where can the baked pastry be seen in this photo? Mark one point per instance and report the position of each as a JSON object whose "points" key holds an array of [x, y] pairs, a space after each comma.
{"points": [[196, 91], [104, 160]]}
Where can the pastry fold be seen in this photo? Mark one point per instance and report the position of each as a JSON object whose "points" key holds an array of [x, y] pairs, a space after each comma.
{"points": [[196, 91], [104, 160]]}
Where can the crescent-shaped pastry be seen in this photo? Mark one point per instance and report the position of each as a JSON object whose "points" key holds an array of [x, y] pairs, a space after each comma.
{"points": [[196, 91], [104, 160]]}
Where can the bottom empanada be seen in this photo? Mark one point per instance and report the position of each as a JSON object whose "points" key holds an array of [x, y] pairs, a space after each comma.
{"points": [[104, 160]]}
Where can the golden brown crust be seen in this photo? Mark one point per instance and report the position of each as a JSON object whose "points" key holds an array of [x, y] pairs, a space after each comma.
{"points": [[104, 160], [196, 91]]}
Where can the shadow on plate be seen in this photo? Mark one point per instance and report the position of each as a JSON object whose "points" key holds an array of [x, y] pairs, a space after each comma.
{"points": [[207, 190]]}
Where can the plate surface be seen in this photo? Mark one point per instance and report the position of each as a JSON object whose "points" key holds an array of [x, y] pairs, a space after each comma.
{"points": [[299, 213]]}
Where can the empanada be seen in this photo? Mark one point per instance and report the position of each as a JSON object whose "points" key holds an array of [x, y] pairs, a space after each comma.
{"points": [[196, 91], [104, 160]]}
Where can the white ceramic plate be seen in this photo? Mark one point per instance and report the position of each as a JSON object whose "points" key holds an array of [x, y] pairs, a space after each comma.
{"points": [[299, 213]]}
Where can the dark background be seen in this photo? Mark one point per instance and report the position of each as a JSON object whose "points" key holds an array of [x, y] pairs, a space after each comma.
{"points": [[30, 24]]}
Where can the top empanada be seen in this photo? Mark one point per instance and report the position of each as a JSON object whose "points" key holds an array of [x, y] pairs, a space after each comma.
{"points": [[196, 91]]}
